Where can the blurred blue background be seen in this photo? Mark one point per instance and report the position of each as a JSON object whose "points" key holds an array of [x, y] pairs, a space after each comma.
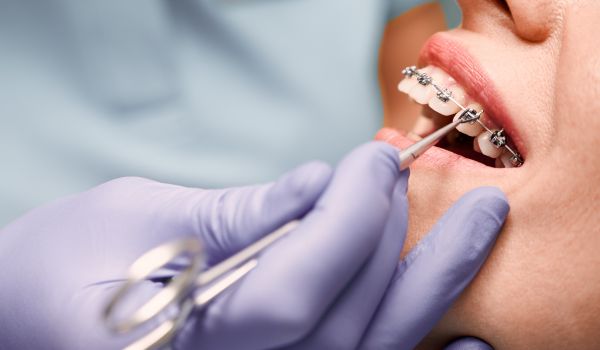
{"points": [[202, 93]]}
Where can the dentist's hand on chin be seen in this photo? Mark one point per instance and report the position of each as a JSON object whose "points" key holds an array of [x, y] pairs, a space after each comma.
{"points": [[333, 283]]}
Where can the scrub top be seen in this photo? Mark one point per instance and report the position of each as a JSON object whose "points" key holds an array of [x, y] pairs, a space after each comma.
{"points": [[204, 93]]}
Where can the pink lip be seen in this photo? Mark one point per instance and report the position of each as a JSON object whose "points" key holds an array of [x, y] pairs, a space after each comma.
{"points": [[444, 51], [435, 156]]}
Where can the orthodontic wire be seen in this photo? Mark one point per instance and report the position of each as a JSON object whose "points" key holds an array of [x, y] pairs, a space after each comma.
{"points": [[497, 138]]}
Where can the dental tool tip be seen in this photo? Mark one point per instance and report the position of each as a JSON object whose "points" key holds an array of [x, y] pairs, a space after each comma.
{"points": [[469, 115]]}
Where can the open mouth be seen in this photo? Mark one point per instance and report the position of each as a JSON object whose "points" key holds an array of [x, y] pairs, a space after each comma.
{"points": [[444, 99]]}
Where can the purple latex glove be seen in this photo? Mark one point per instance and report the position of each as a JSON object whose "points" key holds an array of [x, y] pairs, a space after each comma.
{"points": [[63, 261], [468, 343], [436, 271], [317, 288], [424, 284], [298, 281]]}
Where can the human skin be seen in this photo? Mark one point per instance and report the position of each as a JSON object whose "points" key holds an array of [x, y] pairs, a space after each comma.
{"points": [[540, 288], [402, 41]]}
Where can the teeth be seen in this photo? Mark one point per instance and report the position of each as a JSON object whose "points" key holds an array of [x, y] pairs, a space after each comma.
{"points": [[406, 84], [419, 85], [505, 159], [449, 107], [473, 128], [486, 147], [422, 93]]}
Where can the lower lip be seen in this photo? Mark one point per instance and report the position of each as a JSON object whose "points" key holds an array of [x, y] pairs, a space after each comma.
{"points": [[433, 157]]}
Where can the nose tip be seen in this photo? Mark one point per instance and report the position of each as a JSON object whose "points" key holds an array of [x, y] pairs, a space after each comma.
{"points": [[533, 20]]}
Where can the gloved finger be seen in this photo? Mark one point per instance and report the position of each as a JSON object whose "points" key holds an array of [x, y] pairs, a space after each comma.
{"points": [[224, 220], [228, 220], [348, 318], [436, 271], [468, 343], [298, 278]]}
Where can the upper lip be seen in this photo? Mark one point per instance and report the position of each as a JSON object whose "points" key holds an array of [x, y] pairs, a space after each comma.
{"points": [[446, 52]]}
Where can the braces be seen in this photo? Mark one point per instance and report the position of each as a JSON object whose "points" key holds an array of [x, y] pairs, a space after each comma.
{"points": [[497, 137]]}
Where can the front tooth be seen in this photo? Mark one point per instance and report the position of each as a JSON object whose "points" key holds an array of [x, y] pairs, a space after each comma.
{"points": [[449, 107], [407, 84], [473, 128], [422, 93], [441, 78], [486, 147]]}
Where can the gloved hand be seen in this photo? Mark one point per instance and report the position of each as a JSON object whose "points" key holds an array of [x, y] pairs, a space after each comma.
{"points": [[63, 261], [436, 271], [320, 285]]}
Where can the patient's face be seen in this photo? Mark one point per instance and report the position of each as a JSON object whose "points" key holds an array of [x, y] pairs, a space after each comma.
{"points": [[540, 288]]}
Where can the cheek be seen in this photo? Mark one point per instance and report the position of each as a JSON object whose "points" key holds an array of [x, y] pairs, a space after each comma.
{"points": [[534, 292], [577, 99], [539, 287]]}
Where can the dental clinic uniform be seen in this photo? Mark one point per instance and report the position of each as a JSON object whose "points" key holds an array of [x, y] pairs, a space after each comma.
{"points": [[206, 93]]}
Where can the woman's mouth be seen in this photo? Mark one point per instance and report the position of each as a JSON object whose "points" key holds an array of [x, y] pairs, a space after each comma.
{"points": [[444, 98]]}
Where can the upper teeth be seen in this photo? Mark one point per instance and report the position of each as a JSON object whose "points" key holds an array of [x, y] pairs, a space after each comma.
{"points": [[434, 87]]}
